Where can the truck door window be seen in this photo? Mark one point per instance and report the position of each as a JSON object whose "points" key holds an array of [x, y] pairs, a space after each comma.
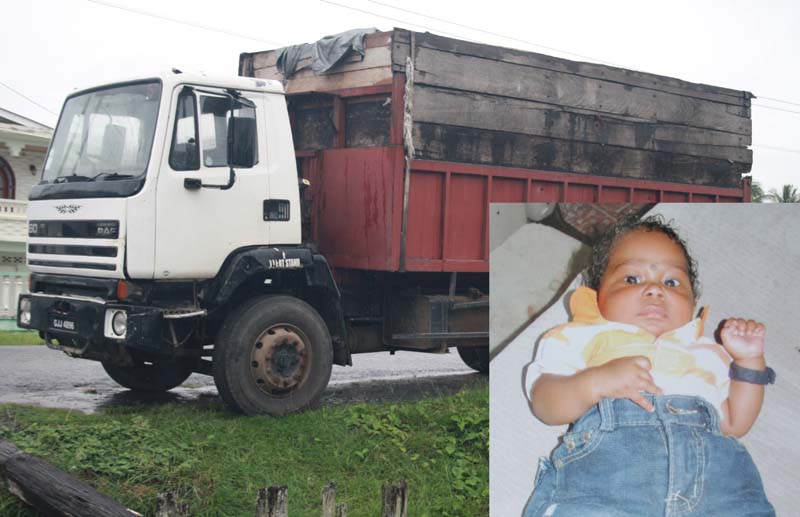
{"points": [[214, 113], [184, 155]]}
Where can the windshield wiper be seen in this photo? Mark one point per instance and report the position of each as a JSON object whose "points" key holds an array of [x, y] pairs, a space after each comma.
{"points": [[110, 176], [71, 178]]}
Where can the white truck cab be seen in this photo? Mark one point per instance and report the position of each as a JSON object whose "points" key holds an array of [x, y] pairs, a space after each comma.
{"points": [[137, 177], [165, 239]]}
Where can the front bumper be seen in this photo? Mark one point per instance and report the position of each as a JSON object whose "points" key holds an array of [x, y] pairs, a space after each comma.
{"points": [[86, 320]]}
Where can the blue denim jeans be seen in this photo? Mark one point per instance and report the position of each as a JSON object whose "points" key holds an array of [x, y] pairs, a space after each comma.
{"points": [[619, 460]]}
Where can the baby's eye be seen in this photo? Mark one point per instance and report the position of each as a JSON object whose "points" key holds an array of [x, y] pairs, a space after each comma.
{"points": [[671, 282], [630, 279]]}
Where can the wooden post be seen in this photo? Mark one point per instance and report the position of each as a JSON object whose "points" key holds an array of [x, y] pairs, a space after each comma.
{"points": [[273, 502], [261, 503], [50, 490], [329, 500], [395, 500], [166, 505], [341, 510]]}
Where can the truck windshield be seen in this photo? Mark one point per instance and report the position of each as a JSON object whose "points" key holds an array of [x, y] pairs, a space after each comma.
{"points": [[104, 134]]}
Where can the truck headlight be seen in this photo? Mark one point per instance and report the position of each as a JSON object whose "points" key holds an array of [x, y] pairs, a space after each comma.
{"points": [[119, 323], [25, 311]]}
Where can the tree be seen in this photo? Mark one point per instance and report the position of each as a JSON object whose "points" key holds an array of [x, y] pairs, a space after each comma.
{"points": [[789, 194], [757, 194]]}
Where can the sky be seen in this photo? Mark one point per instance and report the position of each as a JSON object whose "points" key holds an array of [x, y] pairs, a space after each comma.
{"points": [[49, 48]]}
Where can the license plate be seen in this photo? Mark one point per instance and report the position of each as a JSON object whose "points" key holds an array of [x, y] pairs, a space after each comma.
{"points": [[63, 324]]}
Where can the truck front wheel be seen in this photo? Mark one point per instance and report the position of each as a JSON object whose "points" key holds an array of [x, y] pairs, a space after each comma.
{"points": [[274, 356], [150, 377], [476, 358]]}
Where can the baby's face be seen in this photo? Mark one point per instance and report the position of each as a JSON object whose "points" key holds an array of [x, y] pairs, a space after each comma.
{"points": [[647, 283]]}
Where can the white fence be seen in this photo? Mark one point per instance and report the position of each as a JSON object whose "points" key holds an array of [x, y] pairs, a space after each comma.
{"points": [[11, 286], [13, 220]]}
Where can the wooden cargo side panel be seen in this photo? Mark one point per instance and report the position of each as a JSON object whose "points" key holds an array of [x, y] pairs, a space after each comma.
{"points": [[356, 211], [467, 145], [473, 74], [493, 113], [551, 63]]}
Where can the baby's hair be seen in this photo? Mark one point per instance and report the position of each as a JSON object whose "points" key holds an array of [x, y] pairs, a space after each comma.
{"points": [[601, 251]]}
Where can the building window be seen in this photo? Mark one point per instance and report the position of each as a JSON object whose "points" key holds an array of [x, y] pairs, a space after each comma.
{"points": [[7, 180]]}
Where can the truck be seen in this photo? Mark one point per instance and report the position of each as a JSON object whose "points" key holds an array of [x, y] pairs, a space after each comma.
{"points": [[265, 227]]}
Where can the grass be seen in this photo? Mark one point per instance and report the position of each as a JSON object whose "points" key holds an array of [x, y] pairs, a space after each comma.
{"points": [[216, 461], [22, 337]]}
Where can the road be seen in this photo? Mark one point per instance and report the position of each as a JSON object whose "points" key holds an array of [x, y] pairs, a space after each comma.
{"points": [[39, 376]]}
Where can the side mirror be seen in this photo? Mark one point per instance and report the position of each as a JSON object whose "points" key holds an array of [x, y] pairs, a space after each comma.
{"points": [[242, 142]]}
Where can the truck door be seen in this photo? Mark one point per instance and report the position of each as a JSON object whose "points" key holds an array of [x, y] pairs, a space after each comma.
{"points": [[198, 227]]}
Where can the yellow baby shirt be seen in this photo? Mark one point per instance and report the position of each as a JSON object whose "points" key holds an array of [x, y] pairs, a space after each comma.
{"points": [[684, 362]]}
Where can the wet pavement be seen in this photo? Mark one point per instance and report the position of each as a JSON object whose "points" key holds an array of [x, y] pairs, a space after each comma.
{"points": [[39, 376]]}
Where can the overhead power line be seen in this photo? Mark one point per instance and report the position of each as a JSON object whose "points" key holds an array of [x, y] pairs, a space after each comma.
{"points": [[779, 100], [496, 34], [519, 40], [371, 13], [774, 108], [771, 148], [182, 22], [29, 99]]}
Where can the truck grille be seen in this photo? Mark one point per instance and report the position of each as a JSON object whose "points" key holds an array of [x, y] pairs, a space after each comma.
{"points": [[88, 244], [80, 265], [74, 229], [57, 249]]}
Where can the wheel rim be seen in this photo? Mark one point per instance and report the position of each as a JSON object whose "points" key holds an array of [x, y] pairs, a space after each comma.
{"points": [[280, 359]]}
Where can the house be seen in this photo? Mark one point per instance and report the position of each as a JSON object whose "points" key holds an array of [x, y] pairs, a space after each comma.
{"points": [[23, 145]]}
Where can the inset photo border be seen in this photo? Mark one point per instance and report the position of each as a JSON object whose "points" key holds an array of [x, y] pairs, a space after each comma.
{"points": [[748, 258]]}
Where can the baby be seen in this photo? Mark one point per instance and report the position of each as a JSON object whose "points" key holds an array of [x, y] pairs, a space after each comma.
{"points": [[654, 406]]}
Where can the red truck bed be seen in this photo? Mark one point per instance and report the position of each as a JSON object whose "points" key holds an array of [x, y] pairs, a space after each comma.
{"points": [[399, 186]]}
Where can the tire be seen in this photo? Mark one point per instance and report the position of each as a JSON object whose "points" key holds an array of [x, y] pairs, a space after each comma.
{"points": [[476, 358], [155, 377], [272, 356]]}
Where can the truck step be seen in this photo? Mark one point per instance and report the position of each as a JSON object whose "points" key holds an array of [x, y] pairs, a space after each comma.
{"points": [[175, 314]]}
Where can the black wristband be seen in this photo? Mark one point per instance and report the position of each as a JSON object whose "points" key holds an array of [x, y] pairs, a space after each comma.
{"points": [[740, 373]]}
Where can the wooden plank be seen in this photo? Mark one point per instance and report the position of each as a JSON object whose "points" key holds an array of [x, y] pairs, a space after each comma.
{"points": [[329, 500], [456, 108], [467, 73], [245, 64], [588, 70], [400, 53], [334, 82], [542, 177], [467, 145], [50, 490], [273, 501], [394, 500], [401, 49], [167, 505]]}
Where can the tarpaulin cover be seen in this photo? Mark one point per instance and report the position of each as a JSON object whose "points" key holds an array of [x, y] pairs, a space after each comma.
{"points": [[324, 54]]}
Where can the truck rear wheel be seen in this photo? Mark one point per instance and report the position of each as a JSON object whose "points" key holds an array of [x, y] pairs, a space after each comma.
{"points": [[476, 358], [150, 377], [274, 356]]}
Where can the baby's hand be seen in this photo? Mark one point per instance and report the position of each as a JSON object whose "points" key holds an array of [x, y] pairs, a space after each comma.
{"points": [[625, 378], [743, 339]]}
